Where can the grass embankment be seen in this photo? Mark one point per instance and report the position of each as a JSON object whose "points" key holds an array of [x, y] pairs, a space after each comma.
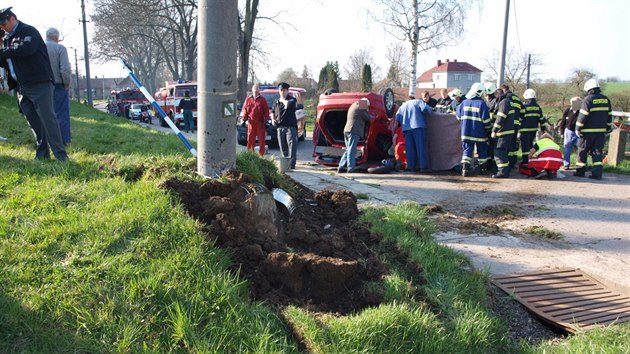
{"points": [[95, 257]]}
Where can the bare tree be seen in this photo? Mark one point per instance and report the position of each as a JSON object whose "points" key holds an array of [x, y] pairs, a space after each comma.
{"points": [[515, 68], [579, 76], [398, 59], [356, 63], [425, 24], [288, 75]]}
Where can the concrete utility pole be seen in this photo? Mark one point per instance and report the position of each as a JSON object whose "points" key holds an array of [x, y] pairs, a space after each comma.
{"points": [[500, 79], [88, 87], [217, 89]]}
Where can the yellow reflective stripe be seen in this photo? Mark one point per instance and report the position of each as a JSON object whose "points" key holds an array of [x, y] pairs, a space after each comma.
{"points": [[501, 114], [531, 115], [599, 109], [598, 163], [532, 108], [477, 119], [466, 159], [506, 132], [483, 160], [472, 138], [579, 124], [581, 164], [600, 101], [514, 153], [471, 109], [594, 130], [584, 112], [528, 129], [503, 164]]}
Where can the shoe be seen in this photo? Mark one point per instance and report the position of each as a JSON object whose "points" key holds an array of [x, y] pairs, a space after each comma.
{"points": [[579, 174], [541, 174], [353, 170], [500, 175], [566, 167], [342, 170], [599, 178]]}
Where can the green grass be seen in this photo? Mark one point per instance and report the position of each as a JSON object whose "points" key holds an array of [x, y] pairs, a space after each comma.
{"points": [[616, 87], [95, 257]]}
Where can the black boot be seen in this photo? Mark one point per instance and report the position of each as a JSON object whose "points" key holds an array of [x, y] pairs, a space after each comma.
{"points": [[465, 169]]}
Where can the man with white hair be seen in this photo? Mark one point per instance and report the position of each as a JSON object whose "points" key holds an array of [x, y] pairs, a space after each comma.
{"points": [[60, 65], [357, 121]]}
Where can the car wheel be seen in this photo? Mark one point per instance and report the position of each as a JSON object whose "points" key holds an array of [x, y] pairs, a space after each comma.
{"points": [[388, 100]]}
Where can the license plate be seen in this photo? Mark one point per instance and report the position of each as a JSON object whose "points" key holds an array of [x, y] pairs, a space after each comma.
{"points": [[267, 137]]}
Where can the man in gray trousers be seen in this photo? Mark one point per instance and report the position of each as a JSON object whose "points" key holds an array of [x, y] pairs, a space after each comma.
{"points": [[25, 57]]}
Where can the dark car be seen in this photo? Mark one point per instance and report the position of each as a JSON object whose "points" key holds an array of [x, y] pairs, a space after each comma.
{"points": [[332, 111], [271, 94]]}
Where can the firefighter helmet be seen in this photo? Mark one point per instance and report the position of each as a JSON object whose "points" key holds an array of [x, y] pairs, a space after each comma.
{"points": [[476, 90], [591, 84], [529, 94], [490, 88], [456, 93]]}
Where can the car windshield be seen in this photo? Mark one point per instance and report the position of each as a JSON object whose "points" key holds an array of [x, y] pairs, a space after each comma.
{"points": [[181, 90], [136, 106], [270, 97]]}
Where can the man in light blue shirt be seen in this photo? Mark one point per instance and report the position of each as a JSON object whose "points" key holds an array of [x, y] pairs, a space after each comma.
{"points": [[411, 117]]}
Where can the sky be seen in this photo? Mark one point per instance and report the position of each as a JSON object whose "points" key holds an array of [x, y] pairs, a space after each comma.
{"points": [[565, 34]]}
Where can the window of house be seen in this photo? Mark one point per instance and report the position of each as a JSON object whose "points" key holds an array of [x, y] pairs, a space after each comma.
{"points": [[470, 77], [456, 77]]}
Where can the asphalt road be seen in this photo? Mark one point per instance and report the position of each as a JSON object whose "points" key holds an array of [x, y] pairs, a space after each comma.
{"points": [[592, 217]]}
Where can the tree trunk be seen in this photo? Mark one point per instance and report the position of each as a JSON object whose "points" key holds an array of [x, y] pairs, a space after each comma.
{"points": [[414, 50]]}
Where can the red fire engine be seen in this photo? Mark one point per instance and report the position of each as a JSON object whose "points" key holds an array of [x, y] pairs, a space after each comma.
{"points": [[168, 98], [120, 101]]}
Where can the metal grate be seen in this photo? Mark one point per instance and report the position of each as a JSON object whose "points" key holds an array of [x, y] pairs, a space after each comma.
{"points": [[567, 298]]}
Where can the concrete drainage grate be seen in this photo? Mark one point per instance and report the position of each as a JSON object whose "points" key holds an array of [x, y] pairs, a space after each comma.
{"points": [[567, 298]]}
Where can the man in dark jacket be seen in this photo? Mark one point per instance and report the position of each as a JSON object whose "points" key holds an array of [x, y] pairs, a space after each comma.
{"points": [[283, 111], [25, 58], [593, 123], [186, 105], [357, 120], [503, 134], [531, 121]]}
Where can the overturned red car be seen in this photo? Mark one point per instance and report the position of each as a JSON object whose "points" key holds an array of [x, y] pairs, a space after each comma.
{"points": [[332, 111]]}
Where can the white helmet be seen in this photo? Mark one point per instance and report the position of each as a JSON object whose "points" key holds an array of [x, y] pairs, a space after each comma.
{"points": [[591, 84], [529, 94], [476, 90], [456, 93], [490, 88]]}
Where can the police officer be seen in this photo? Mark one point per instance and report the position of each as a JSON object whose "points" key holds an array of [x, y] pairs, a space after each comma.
{"points": [[593, 123]]}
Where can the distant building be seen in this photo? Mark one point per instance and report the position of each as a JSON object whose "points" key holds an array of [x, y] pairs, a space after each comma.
{"points": [[449, 74]]}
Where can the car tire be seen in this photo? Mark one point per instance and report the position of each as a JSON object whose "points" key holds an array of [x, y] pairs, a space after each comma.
{"points": [[388, 101]]}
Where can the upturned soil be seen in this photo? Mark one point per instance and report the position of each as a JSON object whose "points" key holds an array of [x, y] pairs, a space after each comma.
{"points": [[319, 257]]}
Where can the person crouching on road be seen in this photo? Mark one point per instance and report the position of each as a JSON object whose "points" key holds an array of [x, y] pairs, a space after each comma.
{"points": [[356, 123], [475, 123], [284, 118], [186, 105], [256, 112], [545, 158], [411, 116]]}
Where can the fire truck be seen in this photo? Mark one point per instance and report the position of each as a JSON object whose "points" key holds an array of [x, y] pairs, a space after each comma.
{"points": [[168, 98], [120, 101]]}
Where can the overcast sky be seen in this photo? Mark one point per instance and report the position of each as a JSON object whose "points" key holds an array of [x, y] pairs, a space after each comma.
{"points": [[592, 34]]}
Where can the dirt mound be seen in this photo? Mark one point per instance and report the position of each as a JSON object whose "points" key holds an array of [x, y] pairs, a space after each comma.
{"points": [[319, 257]]}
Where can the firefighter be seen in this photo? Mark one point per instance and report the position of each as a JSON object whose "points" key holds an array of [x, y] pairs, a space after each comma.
{"points": [[545, 158], [593, 124], [516, 103], [444, 103], [531, 121], [492, 94], [475, 122], [503, 134], [457, 97]]}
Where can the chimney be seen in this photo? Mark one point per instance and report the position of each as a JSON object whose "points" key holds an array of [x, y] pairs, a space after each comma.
{"points": [[455, 60], [448, 60], [439, 62]]}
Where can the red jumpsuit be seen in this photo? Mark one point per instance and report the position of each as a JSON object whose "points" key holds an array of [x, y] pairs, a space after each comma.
{"points": [[547, 156], [256, 111]]}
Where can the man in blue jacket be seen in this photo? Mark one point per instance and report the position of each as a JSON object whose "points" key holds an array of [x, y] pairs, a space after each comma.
{"points": [[411, 117], [475, 121], [25, 58]]}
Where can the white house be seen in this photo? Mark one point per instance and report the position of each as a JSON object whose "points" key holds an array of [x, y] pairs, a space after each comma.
{"points": [[449, 74]]}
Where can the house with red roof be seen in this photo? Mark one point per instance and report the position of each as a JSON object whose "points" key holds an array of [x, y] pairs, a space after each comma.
{"points": [[450, 75]]}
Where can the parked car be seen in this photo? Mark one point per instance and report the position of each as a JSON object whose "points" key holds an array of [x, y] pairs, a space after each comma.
{"points": [[134, 111], [332, 111], [270, 93]]}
